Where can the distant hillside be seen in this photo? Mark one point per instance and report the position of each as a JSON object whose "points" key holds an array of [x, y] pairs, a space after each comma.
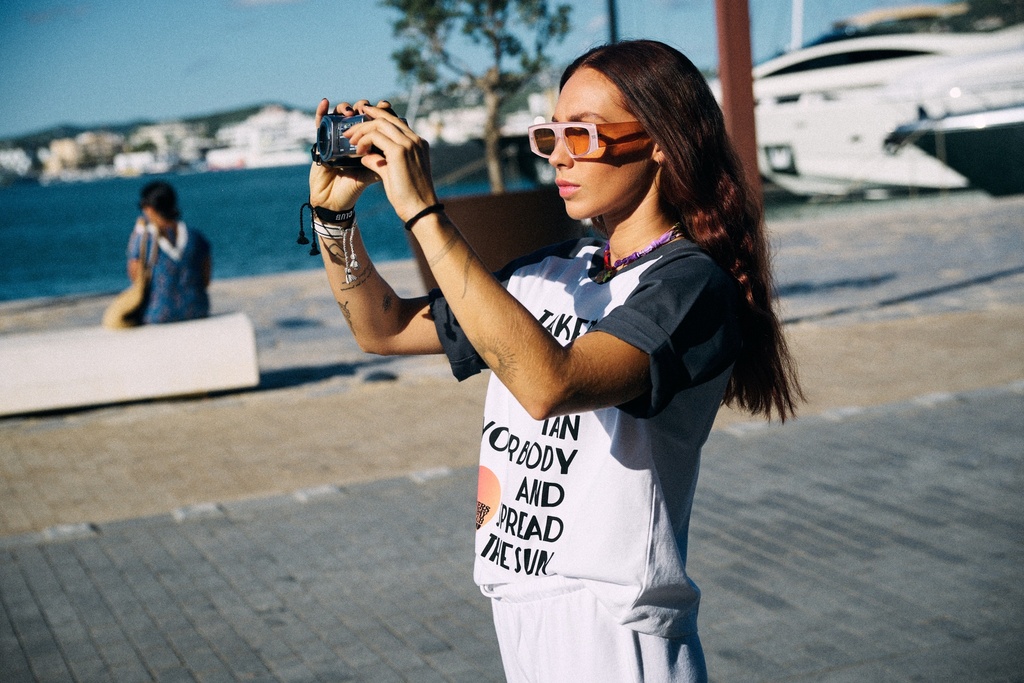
{"points": [[212, 122]]}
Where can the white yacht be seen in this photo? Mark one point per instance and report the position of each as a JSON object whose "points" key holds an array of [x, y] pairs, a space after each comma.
{"points": [[823, 112], [971, 118]]}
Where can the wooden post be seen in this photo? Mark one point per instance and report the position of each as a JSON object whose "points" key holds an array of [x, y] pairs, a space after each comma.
{"points": [[734, 71], [613, 22]]}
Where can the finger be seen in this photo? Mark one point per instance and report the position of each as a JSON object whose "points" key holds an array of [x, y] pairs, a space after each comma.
{"points": [[395, 129], [369, 173], [322, 109], [362, 137], [377, 134], [344, 109], [394, 156], [392, 125], [381, 112]]}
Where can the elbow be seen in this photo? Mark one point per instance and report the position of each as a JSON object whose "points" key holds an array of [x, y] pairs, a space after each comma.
{"points": [[373, 346], [548, 393], [541, 411], [367, 347], [379, 345], [547, 402]]}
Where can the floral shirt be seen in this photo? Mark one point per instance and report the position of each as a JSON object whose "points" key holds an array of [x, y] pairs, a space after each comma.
{"points": [[178, 287]]}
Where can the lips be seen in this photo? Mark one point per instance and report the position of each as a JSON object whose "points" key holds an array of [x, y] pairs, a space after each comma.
{"points": [[566, 189]]}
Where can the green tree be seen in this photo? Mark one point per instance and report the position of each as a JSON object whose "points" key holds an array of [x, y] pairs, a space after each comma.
{"points": [[499, 27], [996, 12]]}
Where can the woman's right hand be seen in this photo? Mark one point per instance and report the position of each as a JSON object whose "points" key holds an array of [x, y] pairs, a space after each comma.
{"points": [[337, 188]]}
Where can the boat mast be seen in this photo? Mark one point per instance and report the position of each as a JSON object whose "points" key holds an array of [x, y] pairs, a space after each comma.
{"points": [[613, 22], [796, 30]]}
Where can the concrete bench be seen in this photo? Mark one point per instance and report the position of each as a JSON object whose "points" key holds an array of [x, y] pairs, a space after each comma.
{"points": [[94, 366]]}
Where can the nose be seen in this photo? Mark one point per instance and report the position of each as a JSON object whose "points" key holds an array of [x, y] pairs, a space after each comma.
{"points": [[560, 157]]}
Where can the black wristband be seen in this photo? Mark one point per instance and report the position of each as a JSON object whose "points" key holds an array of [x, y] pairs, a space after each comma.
{"points": [[336, 217], [433, 208]]}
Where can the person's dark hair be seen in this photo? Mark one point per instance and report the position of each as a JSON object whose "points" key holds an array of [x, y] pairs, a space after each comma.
{"points": [[702, 185], [161, 197]]}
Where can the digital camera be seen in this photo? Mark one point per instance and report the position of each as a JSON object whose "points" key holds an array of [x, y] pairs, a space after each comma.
{"points": [[333, 148]]}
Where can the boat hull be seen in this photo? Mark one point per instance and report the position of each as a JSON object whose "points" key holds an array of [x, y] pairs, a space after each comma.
{"points": [[823, 113], [985, 147]]}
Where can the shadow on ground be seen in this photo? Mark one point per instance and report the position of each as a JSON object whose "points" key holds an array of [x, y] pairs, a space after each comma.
{"points": [[374, 370]]}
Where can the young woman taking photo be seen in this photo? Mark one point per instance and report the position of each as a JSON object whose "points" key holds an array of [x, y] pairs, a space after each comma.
{"points": [[609, 357]]}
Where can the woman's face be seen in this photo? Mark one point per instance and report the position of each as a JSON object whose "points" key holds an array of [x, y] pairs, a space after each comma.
{"points": [[156, 218], [615, 181]]}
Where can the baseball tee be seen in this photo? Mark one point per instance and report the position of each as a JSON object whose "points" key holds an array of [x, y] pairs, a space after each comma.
{"points": [[605, 496]]}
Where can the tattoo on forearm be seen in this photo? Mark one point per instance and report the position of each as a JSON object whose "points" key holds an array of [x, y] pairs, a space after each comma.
{"points": [[361, 277], [448, 246], [338, 259], [343, 305], [336, 254], [447, 249], [466, 265], [499, 357]]}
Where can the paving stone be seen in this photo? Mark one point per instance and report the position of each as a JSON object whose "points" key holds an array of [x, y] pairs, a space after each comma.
{"points": [[877, 545]]}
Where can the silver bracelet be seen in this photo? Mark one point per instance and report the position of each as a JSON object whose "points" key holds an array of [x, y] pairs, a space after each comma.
{"points": [[347, 238]]}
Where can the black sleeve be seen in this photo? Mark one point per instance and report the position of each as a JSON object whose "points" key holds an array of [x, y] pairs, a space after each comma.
{"points": [[464, 359], [684, 315]]}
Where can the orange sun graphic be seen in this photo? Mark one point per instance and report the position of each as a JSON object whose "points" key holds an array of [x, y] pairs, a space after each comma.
{"points": [[488, 495]]}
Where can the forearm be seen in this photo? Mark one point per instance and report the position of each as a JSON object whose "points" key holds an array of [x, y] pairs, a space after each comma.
{"points": [[380, 320], [596, 370], [527, 359]]}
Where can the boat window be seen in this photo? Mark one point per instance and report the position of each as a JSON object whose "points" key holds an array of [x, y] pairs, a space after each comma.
{"points": [[845, 59]]}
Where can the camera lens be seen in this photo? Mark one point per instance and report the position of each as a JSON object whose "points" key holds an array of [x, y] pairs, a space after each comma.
{"points": [[323, 138]]}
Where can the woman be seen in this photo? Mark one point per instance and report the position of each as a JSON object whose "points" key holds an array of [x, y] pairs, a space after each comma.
{"points": [[180, 258], [609, 358]]}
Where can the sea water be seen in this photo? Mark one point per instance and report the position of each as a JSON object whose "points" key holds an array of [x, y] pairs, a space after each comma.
{"points": [[69, 239]]}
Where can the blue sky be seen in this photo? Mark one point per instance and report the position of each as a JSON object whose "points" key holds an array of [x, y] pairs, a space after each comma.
{"points": [[95, 62]]}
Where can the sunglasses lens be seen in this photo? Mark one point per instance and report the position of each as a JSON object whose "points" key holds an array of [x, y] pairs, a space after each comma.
{"points": [[544, 139], [577, 140]]}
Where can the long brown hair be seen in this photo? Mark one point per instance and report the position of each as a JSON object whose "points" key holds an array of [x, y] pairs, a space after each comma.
{"points": [[702, 186]]}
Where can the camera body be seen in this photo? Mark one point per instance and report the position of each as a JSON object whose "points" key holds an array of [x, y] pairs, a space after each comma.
{"points": [[333, 148]]}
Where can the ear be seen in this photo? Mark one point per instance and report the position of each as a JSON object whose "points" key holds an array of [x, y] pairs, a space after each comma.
{"points": [[658, 155]]}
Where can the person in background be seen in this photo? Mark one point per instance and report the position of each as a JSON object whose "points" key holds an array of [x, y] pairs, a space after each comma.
{"points": [[609, 357], [183, 264]]}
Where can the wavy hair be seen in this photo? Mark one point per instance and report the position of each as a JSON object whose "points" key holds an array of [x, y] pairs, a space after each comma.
{"points": [[702, 185]]}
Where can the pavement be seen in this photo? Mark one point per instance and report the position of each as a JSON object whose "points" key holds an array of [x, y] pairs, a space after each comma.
{"points": [[318, 528]]}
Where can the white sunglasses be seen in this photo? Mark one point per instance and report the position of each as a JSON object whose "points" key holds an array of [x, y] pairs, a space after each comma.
{"points": [[581, 138]]}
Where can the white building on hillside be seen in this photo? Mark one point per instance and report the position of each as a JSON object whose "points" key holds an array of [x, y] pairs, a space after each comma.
{"points": [[15, 161], [455, 126], [274, 136]]}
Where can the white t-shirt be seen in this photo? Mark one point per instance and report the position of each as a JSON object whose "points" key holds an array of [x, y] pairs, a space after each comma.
{"points": [[605, 496]]}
